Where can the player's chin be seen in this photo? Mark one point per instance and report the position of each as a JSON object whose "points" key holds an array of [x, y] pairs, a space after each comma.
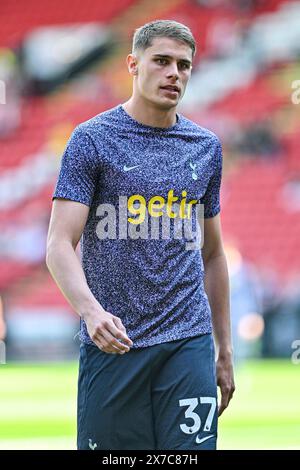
{"points": [[170, 98], [167, 103]]}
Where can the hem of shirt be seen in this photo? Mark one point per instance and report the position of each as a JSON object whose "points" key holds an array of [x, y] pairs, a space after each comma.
{"points": [[71, 198], [154, 341], [213, 214]]}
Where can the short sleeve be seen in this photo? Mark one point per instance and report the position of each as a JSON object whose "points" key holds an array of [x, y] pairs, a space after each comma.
{"points": [[211, 198], [78, 174]]}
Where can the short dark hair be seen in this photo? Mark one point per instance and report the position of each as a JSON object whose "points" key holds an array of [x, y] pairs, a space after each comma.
{"points": [[142, 38]]}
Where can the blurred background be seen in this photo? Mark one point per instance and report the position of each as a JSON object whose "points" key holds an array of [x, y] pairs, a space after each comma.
{"points": [[61, 63]]}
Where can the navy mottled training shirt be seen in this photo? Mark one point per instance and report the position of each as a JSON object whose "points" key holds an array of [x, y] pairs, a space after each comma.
{"points": [[142, 184]]}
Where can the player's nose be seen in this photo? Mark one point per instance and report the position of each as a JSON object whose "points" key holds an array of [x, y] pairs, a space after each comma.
{"points": [[172, 70]]}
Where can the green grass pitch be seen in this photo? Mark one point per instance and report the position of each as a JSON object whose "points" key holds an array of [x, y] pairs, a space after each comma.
{"points": [[38, 407]]}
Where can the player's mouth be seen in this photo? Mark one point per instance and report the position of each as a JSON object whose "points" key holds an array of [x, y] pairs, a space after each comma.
{"points": [[171, 90]]}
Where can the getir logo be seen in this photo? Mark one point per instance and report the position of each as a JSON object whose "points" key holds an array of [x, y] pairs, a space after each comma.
{"points": [[158, 206]]}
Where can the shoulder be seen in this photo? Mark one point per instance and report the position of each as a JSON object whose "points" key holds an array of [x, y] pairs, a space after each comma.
{"points": [[98, 123], [205, 134], [87, 136]]}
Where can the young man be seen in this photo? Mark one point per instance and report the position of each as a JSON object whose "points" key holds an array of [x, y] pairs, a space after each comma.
{"points": [[147, 363]]}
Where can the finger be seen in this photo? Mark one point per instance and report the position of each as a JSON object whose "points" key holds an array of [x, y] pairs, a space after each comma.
{"points": [[121, 328], [112, 344], [103, 345], [224, 401], [110, 350], [98, 343], [119, 335], [102, 340], [118, 322], [221, 409]]}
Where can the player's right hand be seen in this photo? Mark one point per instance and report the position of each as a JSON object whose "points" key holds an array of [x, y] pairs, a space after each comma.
{"points": [[107, 332]]}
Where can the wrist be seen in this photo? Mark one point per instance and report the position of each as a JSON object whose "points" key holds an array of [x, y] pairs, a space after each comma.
{"points": [[89, 310], [225, 353]]}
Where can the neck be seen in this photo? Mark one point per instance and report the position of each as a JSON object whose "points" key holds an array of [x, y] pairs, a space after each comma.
{"points": [[149, 114]]}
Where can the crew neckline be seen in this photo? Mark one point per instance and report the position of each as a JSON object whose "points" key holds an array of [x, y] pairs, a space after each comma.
{"points": [[145, 126]]}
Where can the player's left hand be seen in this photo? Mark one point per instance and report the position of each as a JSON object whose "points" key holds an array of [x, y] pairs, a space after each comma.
{"points": [[225, 381]]}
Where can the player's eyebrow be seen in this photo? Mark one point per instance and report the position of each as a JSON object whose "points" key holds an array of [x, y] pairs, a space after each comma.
{"points": [[166, 56]]}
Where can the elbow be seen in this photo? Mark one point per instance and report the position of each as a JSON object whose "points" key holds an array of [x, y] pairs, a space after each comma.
{"points": [[207, 257], [52, 248], [56, 250], [49, 254]]}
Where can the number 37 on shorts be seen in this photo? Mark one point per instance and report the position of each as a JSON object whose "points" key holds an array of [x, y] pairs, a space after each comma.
{"points": [[205, 428]]}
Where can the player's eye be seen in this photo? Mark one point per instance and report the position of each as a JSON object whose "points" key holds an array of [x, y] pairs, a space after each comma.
{"points": [[161, 61], [184, 66]]}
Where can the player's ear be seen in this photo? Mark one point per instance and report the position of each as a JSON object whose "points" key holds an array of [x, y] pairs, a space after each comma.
{"points": [[132, 64]]}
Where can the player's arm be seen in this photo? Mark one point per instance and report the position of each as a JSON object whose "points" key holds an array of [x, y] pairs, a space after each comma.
{"points": [[217, 289], [68, 219]]}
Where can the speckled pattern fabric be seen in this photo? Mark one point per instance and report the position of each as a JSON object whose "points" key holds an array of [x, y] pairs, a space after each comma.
{"points": [[154, 284]]}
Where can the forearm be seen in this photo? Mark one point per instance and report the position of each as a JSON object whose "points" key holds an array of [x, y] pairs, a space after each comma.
{"points": [[217, 288], [68, 274]]}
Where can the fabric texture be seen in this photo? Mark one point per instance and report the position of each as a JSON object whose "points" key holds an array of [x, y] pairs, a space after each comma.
{"points": [[142, 185]]}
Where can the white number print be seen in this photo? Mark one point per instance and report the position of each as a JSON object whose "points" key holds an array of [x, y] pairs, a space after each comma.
{"points": [[192, 403]]}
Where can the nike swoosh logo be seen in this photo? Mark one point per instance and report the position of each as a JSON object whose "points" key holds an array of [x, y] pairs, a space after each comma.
{"points": [[198, 441], [128, 168]]}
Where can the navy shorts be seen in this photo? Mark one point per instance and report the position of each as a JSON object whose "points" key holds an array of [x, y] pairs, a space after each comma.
{"points": [[160, 397]]}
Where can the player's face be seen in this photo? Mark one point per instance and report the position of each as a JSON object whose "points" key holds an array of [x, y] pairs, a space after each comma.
{"points": [[163, 71]]}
